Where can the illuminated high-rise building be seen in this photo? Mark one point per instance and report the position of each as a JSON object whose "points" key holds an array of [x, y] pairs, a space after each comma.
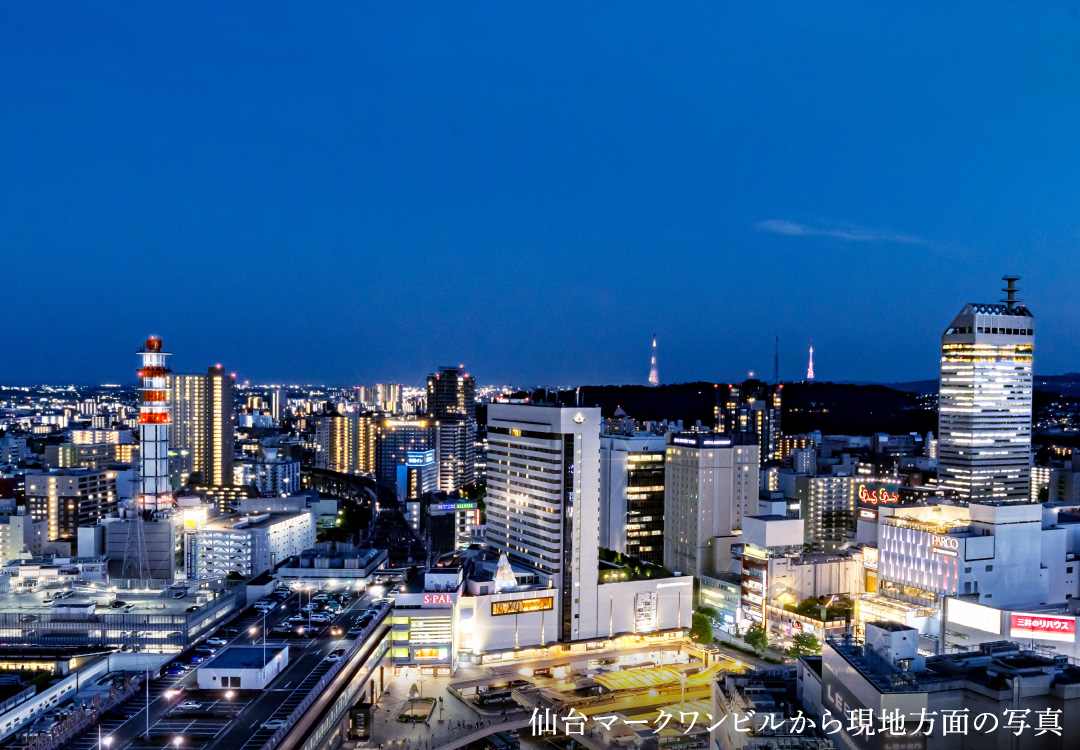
{"points": [[753, 407], [543, 502], [346, 442], [203, 408], [394, 441], [451, 403], [984, 404]]}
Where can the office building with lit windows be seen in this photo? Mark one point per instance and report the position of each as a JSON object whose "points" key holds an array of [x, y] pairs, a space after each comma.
{"points": [[69, 498], [984, 404], [632, 494], [202, 425], [711, 482]]}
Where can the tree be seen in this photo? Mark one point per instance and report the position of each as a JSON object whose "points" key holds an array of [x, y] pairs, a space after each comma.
{"points": [[805, 644], [709, 611], [757, 637], [701, 629]]}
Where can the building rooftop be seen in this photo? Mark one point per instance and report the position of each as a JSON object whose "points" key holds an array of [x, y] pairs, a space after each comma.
{"points": [[101, 594], [247, 657], [249, 521]]}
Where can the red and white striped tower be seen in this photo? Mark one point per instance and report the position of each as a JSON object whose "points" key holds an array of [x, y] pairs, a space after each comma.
{"points": [[155, 491]]}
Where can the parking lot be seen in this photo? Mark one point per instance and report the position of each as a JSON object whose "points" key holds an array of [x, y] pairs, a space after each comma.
{"points": [[235, 720]]}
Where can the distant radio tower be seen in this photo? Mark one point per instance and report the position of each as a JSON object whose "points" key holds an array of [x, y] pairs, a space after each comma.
{"points": [[776, 362], [810, 369], [654, 371]]}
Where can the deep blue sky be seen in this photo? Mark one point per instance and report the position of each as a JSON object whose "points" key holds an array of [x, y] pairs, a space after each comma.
{"points": [[353, 192]]}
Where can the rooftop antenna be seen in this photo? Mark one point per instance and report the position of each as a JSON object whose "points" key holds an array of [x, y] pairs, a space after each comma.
{"points": [[776, 362], [1010, 291]]}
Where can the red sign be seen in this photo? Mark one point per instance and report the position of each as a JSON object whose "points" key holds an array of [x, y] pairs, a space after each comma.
{"points": [[881, 495], [437, 599], [1043, 627]]}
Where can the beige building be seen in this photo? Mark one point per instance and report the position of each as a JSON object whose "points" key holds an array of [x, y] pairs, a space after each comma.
{"points": [[710, 484]]}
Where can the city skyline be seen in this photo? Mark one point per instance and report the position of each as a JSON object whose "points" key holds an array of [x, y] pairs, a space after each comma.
{"points": [[825, 168]]}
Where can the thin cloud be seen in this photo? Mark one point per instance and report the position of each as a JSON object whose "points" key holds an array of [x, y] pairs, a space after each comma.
{"points": [[849, 232]]}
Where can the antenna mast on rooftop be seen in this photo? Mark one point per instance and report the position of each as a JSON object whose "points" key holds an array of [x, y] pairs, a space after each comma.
{"points": [[1010, 291]]}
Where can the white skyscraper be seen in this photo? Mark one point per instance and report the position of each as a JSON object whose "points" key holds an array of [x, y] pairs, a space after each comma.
{"points": [[543, 502], [984, 406]]}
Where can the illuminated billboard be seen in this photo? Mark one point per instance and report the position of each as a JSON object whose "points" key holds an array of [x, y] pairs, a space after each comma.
{"points": [[419, 458], [523, 606], [455, 506], [974, 616], [871, 494], [1042, 627], [870, 557]]}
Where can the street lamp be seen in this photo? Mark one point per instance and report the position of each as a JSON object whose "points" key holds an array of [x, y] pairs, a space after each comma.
{"points": [[178, 741], [255, 630]]}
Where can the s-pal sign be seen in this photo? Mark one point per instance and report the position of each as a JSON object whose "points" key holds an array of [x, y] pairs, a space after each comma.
{"points": [[438, 599], [1043, 627]]}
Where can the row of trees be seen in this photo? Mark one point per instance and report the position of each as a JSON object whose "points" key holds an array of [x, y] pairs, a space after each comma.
{"points": [[756, 636]]}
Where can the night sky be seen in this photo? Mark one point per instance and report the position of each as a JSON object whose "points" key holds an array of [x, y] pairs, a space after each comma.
{"points": [[358, 192]]}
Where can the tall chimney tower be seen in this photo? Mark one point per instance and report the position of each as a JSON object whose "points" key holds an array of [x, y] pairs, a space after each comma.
{"points": [[153, 489]]}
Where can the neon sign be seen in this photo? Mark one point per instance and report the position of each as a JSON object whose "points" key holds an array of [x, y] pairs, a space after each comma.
{"points": [[944, 542], [437, 599], [873, 497]]}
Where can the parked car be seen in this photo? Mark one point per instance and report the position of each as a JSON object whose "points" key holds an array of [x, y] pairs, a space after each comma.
{"points": [[192, 608], [216, 641], [320, 618], [273, 724], [298, 618], [189, 706], [332, 657]]}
